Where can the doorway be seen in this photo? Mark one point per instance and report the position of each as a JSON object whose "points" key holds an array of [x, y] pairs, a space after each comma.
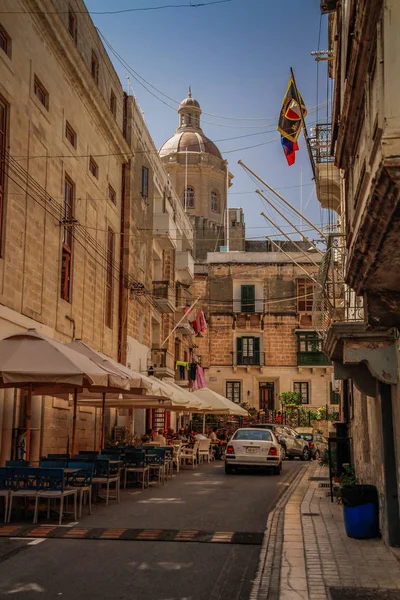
{"points": [[267, 395]]}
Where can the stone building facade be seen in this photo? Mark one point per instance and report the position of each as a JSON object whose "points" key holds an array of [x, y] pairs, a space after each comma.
{"points": [[259, 340], [89, 223], [357, 159], [194, 163]]}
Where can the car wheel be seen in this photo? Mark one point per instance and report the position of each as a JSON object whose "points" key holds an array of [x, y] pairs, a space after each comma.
{"points": [[317, 455], [283, 452], [306, 454], [291, 457], [277, 470], [228, 469]]}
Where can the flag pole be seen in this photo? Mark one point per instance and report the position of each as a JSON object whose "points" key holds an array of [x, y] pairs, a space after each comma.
{"points": [[241, 163], [303, 122], [286, 253], [290, 223], [180, 321], [227, 209]]}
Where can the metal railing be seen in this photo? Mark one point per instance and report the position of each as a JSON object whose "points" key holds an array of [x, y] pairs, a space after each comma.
{"points": [[242, 359], [321, 143], [313, 359]]}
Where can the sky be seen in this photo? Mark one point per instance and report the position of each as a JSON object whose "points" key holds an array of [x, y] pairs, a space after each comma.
{"points": [[236, 56]]}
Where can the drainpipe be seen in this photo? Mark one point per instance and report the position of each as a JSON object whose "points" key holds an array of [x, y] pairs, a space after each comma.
{"points": [[121, 328]]}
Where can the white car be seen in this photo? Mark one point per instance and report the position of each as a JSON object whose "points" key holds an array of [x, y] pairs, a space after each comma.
{"points": [[253, 448]]}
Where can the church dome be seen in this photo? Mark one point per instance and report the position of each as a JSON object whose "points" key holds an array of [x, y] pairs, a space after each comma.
{"points": [[192, 141], [189, 135]]}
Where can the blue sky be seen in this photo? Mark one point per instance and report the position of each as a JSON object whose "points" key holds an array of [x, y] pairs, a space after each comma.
{"points": [[236, 56]]}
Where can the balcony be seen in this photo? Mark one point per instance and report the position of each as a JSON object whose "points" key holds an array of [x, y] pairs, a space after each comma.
{"points": [[313, 359], [184, 264], [241, 359], [184, 326], [164, 230], [162, 362], [164, 296], [327, 178], [310, 350]]}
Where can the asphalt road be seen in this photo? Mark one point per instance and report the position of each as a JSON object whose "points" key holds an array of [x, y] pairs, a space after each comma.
{"points": [[204, 499]]}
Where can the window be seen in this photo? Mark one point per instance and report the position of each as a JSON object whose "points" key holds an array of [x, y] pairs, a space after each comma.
{"points": [[310, 349], [189, 197], [5, 41], [73, 25], [112, 196], [94, 69], [66, 259], [189, 118], [3, 150], [334, 395], [253, 435], [145, 182], [233, 391], [40, 92], [248, 351], [303, 388], [93, 167], [214, 201], [70, 134], [248, 298], [305, 295], [233, 223], [113, 103], [109, 278]]}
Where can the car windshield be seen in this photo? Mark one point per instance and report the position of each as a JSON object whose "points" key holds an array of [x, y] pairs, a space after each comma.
{"points": [[306, 436], [253, 434]]}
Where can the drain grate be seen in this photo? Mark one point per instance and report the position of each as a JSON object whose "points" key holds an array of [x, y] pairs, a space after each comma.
{"points": [[324, 485], [345, 593], [137, 535], [310, 514]]}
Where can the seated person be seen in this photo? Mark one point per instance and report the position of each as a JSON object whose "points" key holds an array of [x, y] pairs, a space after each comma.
{"points": [[215, 441], [159, 437], [148, 437]]}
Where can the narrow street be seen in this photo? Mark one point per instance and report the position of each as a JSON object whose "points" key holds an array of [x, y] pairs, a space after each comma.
{"points": [[204, 499]]}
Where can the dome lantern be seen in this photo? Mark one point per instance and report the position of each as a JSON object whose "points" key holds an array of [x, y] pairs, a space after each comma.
{"points": [[189, 113]]}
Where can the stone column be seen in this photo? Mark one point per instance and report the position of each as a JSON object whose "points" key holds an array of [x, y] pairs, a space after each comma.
{"points": [[36, 424], [8, 415]]}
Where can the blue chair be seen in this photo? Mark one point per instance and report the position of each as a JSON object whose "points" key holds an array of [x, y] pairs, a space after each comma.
{"points": [[92, 453], [135, 462], [156, 461], [169, 459], [17, 463], [106, 473], [52, 463], [51, 485], [81, 480], [58, 456], [23, 484], [5, 479]]}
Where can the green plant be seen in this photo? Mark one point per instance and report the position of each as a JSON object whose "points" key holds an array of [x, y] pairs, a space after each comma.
{"points": [[348, 477], [324, 459], [290, 399]]}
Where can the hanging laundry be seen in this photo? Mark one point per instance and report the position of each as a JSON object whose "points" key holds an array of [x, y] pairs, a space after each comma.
{"points": [[202, 321], [192, 371], [181, 365], [200, 378]]}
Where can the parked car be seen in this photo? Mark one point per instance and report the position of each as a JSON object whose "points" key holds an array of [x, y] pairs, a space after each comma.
{"points": [[292, 444], [250, 447], [317, 442]]}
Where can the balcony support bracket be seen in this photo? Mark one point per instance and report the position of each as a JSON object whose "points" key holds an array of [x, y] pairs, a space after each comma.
{"points": [[360, 375], [380, 358]]}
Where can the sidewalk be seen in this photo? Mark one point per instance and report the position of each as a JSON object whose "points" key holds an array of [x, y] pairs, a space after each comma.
{"points": [[307, 551]]}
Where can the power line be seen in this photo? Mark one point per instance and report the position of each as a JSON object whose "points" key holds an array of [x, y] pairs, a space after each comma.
{"points": [[117, 12]]}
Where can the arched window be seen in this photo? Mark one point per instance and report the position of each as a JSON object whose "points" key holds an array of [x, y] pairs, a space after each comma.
{"points": [[214, 201], [182, 120], [189, 197], [189, 118]]}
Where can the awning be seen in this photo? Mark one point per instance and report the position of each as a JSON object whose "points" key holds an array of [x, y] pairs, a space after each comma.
{"points": [[219, 404]]}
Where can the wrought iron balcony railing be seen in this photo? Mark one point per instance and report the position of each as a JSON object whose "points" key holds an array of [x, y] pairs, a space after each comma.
{"points": [[321, 143], [242, 359]]}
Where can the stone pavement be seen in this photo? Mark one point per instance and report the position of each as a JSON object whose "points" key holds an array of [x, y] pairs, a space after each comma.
{"points": [[307, 551]]}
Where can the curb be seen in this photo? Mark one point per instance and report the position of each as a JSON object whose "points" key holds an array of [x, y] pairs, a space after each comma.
{"points": [[266, 568]]}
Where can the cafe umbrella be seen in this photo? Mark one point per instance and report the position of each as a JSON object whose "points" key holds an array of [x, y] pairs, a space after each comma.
{"points": [[34, 362]]}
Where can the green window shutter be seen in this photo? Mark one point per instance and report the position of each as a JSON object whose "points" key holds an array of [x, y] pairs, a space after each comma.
{"points": [[248, 298], [256, 346]]}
